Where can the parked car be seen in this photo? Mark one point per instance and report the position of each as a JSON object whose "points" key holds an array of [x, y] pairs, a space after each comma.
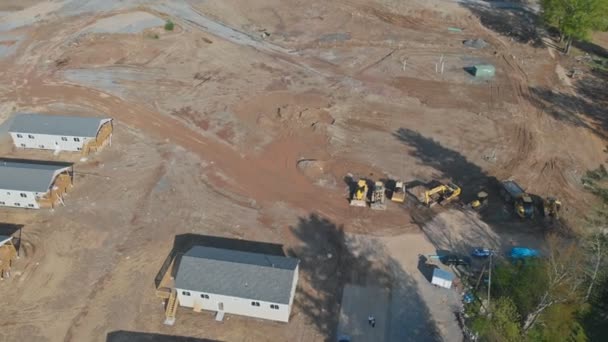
{"points": [[481, 252], [455, 260], [523, 253]]}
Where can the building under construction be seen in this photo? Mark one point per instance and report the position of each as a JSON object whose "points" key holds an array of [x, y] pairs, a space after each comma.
{"points": [[34, 184]]}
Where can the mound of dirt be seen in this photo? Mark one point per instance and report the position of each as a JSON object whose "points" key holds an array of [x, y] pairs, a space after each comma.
{"points": [[317, 171]]}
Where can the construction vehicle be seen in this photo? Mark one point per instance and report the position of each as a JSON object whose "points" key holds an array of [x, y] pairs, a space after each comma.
{"points": [[378, 201], [522, 202], [398, 192], [551, 207], [8, 253], [359, 195], [480, 202], [439, 193]]}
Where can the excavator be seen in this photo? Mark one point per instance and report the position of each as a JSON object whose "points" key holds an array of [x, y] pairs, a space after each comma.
{"points": [[440, 193], [359, 196]]}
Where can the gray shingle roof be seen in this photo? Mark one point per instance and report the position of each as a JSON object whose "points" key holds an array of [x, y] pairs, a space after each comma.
{"points": [[74, 126], [239, 274], [29, 176]]}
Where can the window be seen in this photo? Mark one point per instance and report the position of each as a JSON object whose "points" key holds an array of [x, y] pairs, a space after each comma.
{"points": [[30, 205], [274, 306], [41, 146], [8, 193], [64, 138], [18, 204], [204, 296], [22, 145], [255, 303], [19, 136], [186, 293], [2, 203], [79, 148], [76, 139], [30, 136], [23, 195]]}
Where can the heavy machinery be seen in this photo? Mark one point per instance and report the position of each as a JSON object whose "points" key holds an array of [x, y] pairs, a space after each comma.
{"points": [[480, 202], [359, 195], [551, 207], [522, 202], [398, 192], [440, 193], [378, 201]]}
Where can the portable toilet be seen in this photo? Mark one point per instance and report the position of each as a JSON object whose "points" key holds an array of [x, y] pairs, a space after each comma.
{"points": [[484, 70], [442, 278]]}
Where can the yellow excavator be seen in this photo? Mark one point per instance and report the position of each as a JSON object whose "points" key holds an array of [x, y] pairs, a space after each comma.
{"points": [[441, 193], [359, 196]]}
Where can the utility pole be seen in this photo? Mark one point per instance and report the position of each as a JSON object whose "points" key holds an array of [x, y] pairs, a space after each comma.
{"points": [[489, 281]]}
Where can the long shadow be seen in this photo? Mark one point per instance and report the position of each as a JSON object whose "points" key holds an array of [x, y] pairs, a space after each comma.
{"points": [[14, 230], [586, 108], [510, 19], [330, 259], [135, 336], [183, 242]]}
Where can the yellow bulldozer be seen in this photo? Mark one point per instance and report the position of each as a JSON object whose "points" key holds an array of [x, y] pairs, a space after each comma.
{"points": [[441, 193], [359, 195], [398, 192]]}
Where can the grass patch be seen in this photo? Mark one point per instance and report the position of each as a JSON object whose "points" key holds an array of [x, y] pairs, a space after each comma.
{"points": [[169, 25], [596, 181]]}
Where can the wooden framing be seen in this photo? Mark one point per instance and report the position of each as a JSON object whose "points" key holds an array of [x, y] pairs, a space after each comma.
{"points": [[62, 183], [8, 253], [104, 137]]}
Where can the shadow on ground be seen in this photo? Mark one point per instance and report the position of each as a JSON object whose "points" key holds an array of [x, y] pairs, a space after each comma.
{"points": [[183, 242], [134, 336], [585, 108], [511, 19], [329, 259], [14, 230]]}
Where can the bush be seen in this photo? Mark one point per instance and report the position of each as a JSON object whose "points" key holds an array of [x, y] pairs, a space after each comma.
{"points": [[169, 25]]}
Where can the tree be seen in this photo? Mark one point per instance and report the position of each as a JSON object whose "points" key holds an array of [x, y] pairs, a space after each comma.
{"points": [[595, 241], [575, 19], [503, 325]]}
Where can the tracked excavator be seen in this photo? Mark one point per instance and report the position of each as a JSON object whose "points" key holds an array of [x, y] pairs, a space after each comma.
{"points": [[359, 196], [441, 193], [522, 202]]}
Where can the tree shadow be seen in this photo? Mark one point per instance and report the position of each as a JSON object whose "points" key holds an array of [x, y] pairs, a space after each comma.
{"points": [[511, 19], [184, 242], [586, 108], [134, 336], [591, 48], [330, 259]]}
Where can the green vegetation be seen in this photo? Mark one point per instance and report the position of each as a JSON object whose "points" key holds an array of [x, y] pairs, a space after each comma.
{"points": [[575, 19], [169, 25]]}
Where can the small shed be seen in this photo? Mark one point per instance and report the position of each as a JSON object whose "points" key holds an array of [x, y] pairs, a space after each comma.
{"points": [[442, 278], [484, 70]]}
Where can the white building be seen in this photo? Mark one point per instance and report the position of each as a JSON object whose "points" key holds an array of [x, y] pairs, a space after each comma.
{"points": [[60, 133], [33, 184], [235, 282], [442, 278]]}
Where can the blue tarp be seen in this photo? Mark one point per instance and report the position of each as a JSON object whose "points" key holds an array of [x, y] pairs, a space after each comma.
{"points": [[523, 252]]}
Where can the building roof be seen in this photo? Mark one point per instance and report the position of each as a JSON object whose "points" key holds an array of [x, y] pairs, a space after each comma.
{"points": [[74, 126], [233, 273], [30, 176], [445, 275], [4, 239]]}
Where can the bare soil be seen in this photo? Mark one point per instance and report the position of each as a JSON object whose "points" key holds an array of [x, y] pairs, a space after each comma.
{"points": [[247, 121]]}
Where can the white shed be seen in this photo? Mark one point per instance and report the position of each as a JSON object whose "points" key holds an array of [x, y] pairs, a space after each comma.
{"points": [[442, 278], [60, 133], [33, 184], [236, 282]]}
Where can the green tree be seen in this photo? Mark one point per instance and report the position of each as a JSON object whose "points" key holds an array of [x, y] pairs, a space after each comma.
{"points": [[503, 325], [575, 19]]}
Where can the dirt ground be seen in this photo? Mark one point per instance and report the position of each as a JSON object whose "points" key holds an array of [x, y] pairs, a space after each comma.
{"points": [[246, 120]]}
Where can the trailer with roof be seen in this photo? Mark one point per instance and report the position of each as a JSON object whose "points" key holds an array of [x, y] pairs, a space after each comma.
{"points": [[34, 184], [60, 133]]}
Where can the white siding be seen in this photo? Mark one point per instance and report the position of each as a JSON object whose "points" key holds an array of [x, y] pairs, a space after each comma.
{"points": [[48, 142], [234, 305], [10, 198]]}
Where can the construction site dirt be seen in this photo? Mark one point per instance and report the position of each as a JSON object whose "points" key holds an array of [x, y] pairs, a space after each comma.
{"points": [[250, 120]]}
